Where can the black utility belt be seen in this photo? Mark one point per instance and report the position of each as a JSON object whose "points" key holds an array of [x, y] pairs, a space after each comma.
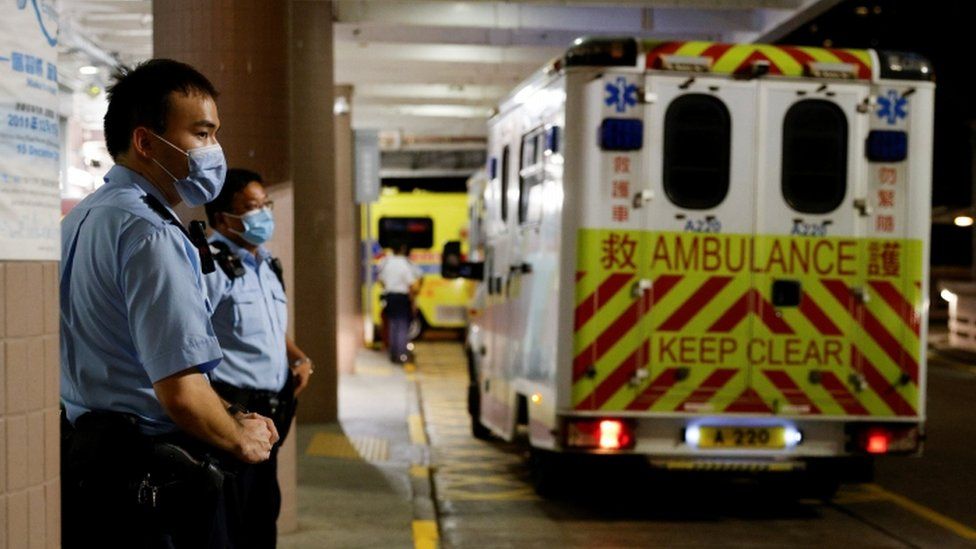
{"points": [[254, 400], [106, 449]]}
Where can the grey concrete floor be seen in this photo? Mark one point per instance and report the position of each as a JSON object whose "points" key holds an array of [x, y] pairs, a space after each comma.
{"points": [[354, 484]]}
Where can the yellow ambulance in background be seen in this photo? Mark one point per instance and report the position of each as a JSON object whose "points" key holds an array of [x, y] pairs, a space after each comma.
{"points": [[441, 304]]}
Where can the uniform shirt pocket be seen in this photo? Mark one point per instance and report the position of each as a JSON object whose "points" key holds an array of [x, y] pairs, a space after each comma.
{"points": [[248, 313], [280, 303]]}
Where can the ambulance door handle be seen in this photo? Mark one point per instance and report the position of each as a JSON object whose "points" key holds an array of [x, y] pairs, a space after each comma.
{"points": [[643, 197], [861, 294], [862, 207], [639, 287]]}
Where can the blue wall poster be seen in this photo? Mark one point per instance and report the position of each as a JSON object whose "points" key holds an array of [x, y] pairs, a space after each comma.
{"points": [[30, 132]]}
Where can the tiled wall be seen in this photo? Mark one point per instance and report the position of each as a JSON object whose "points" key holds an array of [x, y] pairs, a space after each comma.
{"points": [[29, 428]]}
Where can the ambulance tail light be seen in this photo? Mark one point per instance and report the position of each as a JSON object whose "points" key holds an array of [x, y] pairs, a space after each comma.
{"points": [[876, 442], [602, 434], [621, 134], [885, 439]]}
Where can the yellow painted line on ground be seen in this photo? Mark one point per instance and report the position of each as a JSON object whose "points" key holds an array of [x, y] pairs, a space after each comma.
{"points": [[425, 534], [417, 434], [331, 445], [930, 515]]}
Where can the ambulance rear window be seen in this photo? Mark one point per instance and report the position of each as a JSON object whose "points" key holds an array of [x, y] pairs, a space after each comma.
{"points": [[697, 149], [814, 175]]}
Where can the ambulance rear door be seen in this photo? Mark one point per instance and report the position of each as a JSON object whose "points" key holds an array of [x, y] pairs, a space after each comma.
{"points": [[696, 206], [811, 213]]}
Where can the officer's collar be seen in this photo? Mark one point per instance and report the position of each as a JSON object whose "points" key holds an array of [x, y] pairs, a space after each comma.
{"points": [[121, 174], [262, 255]]}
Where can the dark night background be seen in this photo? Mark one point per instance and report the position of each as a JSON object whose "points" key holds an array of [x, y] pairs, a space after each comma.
{"points": [[944, 32]]}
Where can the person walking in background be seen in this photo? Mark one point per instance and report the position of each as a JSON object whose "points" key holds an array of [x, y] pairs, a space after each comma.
{"points": [[262, 370], [401, 282]]}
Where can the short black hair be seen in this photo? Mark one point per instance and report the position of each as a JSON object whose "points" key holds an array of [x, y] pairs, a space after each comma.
{"points": [[237, 179], [140, 97]]}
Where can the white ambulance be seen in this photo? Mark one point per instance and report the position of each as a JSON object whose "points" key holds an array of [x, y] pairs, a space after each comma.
{"points": [[709, 255]]}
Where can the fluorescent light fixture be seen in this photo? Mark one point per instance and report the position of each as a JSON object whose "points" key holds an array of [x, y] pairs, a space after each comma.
{"points": [[88, 70], [948, 296], [963, 221]]}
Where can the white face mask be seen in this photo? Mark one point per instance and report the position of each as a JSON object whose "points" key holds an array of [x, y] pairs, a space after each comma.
{"points": [[205, 177]]}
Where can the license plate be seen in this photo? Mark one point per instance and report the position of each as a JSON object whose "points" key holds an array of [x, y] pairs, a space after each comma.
{"points": [[742, 437]]}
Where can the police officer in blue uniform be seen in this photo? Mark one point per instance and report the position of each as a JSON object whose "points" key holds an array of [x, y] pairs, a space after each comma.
{"points": [[262, 369], [145, 436]]}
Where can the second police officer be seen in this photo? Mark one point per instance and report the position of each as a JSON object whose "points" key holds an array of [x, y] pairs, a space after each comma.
{"points": [[262, 369]]}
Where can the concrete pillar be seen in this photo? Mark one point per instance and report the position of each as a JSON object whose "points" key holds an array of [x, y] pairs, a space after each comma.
{"points": [[349, 319], [241, 47], [316, 201], [30, 497]]}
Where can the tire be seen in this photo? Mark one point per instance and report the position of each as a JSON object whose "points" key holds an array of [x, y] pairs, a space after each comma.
{"points": [[818, 487], [478, 430], [548, 472], [417, 327]]}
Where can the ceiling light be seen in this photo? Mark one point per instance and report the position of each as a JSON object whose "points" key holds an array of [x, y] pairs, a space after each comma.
{"points": [[88, 69]]}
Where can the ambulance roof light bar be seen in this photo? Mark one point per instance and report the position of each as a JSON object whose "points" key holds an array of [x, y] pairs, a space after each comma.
{"points": [[686, 63], [899, 65], [602, 51], [845, 71]]}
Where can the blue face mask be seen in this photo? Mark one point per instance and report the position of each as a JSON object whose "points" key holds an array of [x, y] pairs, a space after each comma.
{"points": [[258, 226], [207, 169]]}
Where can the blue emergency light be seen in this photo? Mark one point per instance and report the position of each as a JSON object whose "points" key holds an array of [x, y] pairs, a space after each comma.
{"points": [[887, 146], [621, 134], [552, 139]]}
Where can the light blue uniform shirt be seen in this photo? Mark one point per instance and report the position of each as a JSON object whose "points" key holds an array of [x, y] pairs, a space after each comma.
{"points": [[133, 306], [250, 318]]}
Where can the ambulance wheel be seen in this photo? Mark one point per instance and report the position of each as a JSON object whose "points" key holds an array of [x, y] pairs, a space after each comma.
{"points": [[417, 327], [817, 487], [548, 472], [478, 430]]}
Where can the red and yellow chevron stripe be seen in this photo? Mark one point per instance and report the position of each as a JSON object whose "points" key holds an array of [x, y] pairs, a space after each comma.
{"points": [[739, 58], [711, 341]]}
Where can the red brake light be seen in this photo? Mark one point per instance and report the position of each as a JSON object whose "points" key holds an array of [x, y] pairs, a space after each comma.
{"points": [[885, 438], [877, 442], [610, 434], [606, 434]]}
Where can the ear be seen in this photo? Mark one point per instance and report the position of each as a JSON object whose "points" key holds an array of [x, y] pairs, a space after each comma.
{"points": [[142, 142]]}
